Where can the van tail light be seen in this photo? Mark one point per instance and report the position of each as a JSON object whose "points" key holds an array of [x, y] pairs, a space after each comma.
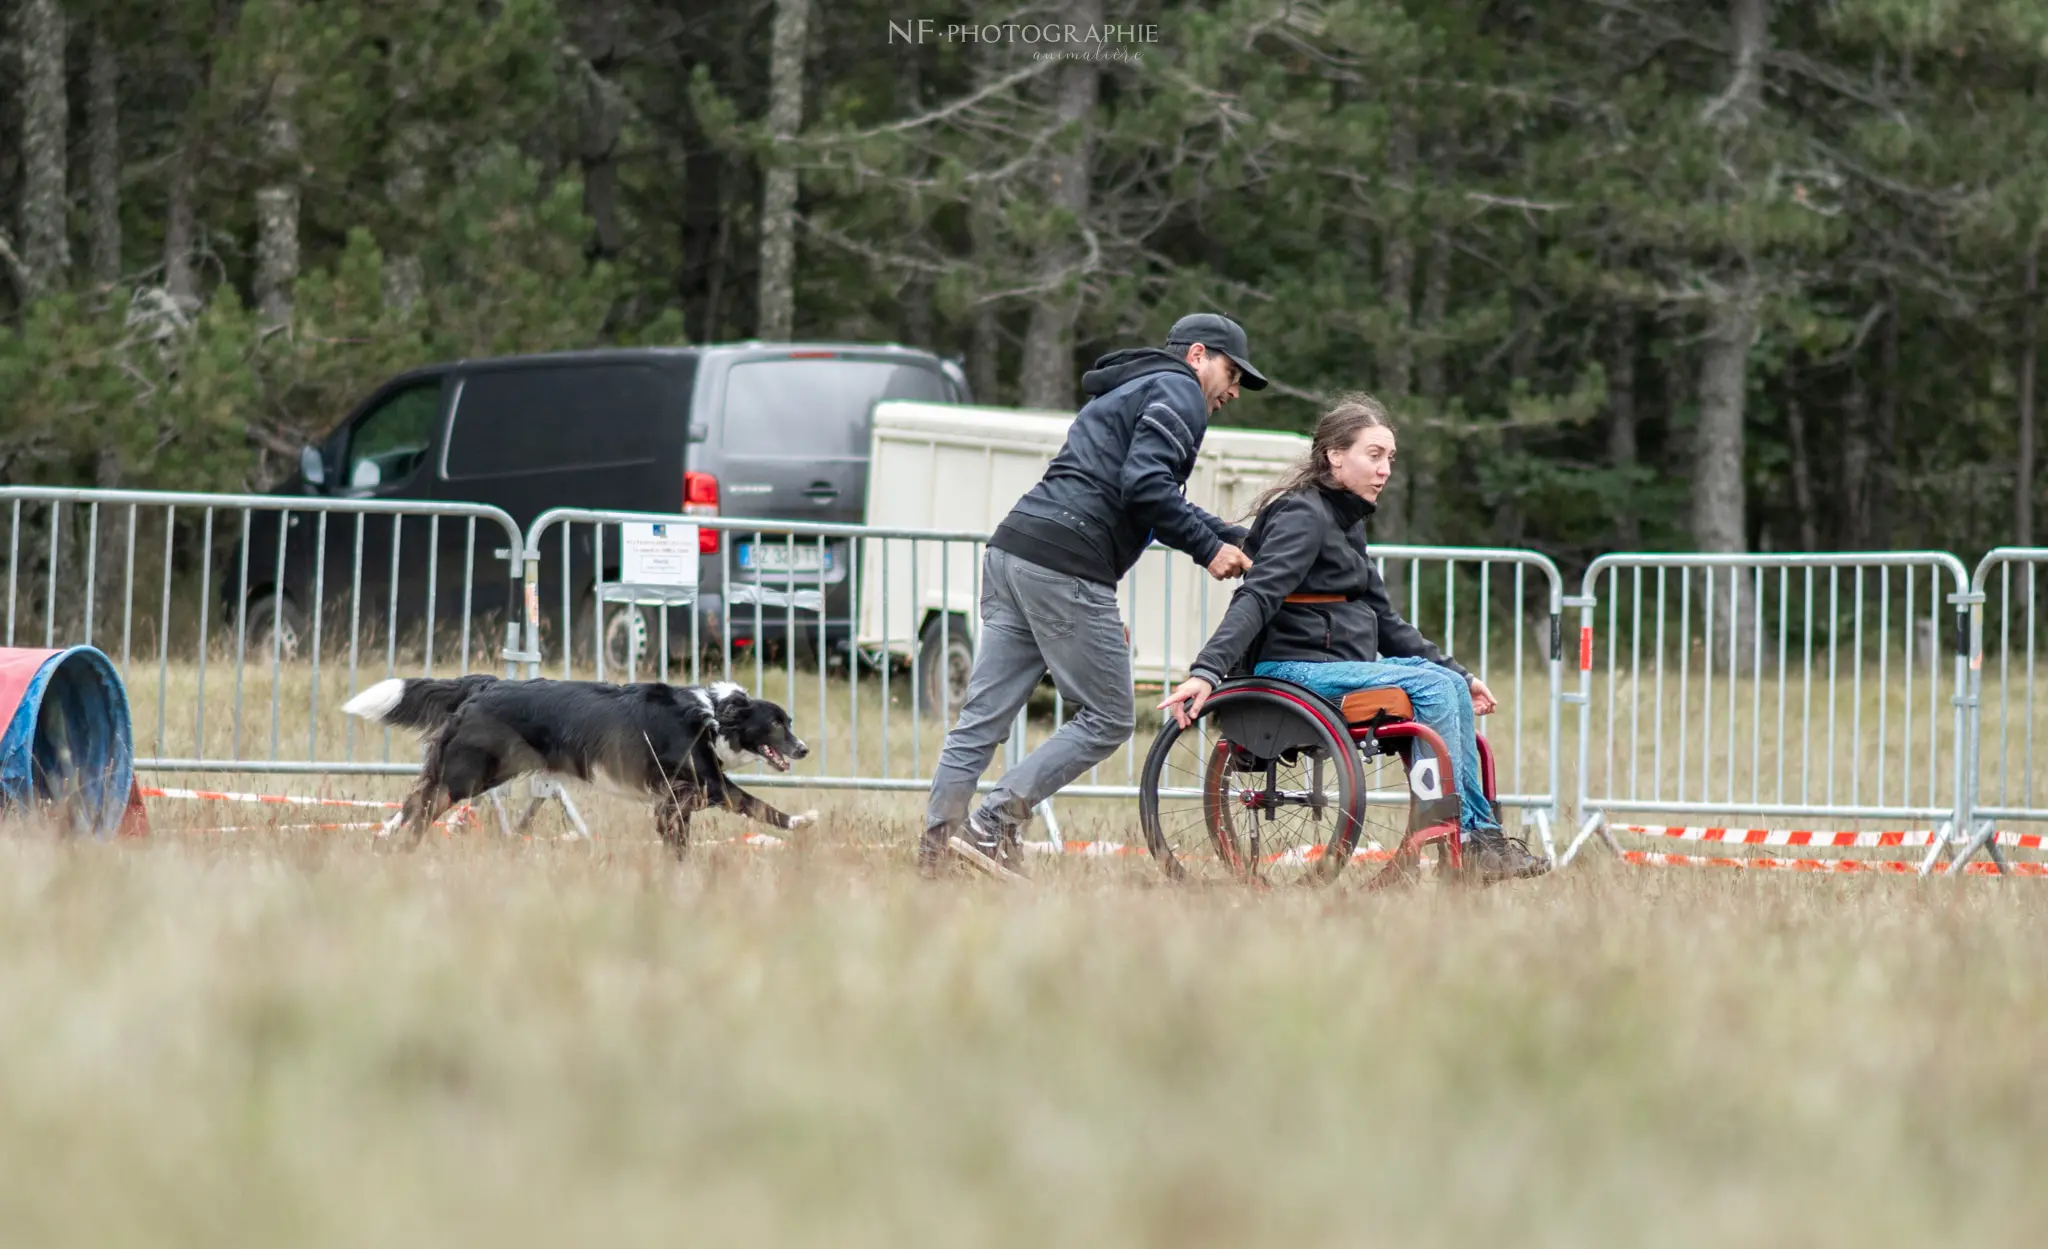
{"points": [[700, 498]]}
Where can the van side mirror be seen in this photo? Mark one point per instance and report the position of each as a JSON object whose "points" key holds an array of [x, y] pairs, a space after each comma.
{"points": [[312, 467], [700, 432]]}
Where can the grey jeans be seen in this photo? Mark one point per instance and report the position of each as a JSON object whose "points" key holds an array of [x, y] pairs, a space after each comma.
{"points": [[1034, 621]]}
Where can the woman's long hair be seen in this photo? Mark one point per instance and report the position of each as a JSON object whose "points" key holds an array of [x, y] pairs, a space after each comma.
{"points": [[1336, 431]]}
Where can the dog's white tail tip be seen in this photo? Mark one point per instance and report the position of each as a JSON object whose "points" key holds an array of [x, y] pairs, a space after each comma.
{"points": [[377, 702]]}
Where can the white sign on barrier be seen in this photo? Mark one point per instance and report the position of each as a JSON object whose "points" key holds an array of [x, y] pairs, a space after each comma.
{"points": [[658, 561]]}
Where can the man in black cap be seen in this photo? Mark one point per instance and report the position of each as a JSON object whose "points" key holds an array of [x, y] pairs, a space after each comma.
{"points": [[1048, 589]]}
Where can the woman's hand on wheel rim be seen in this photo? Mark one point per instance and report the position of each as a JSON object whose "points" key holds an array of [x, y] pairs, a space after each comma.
{"points": [[1483, 701], [1187, 700]]}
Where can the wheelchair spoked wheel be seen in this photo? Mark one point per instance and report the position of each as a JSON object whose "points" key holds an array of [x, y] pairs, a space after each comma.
{"points": [[1254, 791]]}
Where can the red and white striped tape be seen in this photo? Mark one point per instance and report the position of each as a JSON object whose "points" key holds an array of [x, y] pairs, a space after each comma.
{"points": [[1884, 867], [1086, 849], [462, 815], [282, 800], [1824, 840], [289, 828], [767, 840]]}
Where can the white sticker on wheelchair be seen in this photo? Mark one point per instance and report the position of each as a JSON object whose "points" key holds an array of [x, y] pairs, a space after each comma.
{"points": [[1425, 781]]}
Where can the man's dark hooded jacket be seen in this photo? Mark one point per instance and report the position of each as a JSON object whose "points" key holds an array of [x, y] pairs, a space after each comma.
{"points": [[1121, 478]]}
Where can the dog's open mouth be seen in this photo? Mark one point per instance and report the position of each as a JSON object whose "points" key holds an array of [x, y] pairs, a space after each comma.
{"points": [[774, 758]]}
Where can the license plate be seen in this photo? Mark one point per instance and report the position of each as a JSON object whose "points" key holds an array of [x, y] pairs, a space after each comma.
{"points": [[775, 557]]}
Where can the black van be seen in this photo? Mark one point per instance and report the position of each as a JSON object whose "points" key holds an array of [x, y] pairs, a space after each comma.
{"points": [[769, 430]]}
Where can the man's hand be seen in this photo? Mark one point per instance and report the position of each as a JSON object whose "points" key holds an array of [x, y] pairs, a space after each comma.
{"points": [[1187, 697], [1229, 562], [1483, 701]]}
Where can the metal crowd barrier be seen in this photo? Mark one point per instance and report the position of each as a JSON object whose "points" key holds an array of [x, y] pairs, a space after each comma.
{"points": [[2004, 707], [900, 606], [1823, 686], [889, 602], [261, 614]]}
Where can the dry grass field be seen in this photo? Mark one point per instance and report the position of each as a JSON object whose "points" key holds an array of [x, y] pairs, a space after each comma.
{"points": [[293, 1038]]}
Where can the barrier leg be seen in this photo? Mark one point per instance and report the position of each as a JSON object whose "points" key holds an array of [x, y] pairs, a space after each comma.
{"points": [[1543, 834], [561, 795], [1052, 826], [1595, 823], [1984, 838], [1943, 838], [498, 806], [1986, 841]]}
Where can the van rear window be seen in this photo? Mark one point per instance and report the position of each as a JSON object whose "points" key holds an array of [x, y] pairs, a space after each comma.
{"points": [[548, 419], [817, 407]]}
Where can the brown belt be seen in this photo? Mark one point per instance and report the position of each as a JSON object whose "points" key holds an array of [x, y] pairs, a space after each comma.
{"points": [[1317, 598]]}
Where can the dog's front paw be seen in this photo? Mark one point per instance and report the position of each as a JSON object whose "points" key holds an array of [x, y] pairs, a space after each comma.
{"points": [[805, 820]]}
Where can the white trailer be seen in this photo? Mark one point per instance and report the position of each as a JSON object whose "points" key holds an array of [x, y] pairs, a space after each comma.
{"points": [[959, 469]]}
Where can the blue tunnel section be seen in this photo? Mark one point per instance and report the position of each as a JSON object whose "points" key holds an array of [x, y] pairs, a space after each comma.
{"points": [[69, 747]]}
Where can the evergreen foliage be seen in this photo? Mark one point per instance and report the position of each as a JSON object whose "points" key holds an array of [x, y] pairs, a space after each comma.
{"points": [[1526, 225]]}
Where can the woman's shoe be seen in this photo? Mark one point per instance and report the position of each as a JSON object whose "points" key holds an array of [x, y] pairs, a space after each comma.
{"points": [[1491, 856]]}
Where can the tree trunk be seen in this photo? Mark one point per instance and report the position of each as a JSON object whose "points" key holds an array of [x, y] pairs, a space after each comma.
{"points": [[914, 301], [598, 30], [1717, 498], [405, 184], [45, 245], [1436, 299], [1397, 357], [1528, 337], [1718, 506], [777, 310], [985, 347], [1048, 369], [277, 207], [1397, 353], [984, 364], [103, 165], [1855, 530], [1427, 456], [181, 230], [1802, 463], [1622, 449], [1883, 499], [2030, 338]]}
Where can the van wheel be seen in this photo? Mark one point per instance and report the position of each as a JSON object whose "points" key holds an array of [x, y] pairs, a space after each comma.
{"points": [[945, 660], [631, 638], [273, 616]]}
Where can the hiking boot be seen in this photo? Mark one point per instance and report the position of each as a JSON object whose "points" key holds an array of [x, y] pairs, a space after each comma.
{"points": [[1490, 856], [997, 840], [933, 854]]}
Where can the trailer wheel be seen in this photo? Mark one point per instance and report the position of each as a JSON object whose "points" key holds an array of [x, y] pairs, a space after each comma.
{"points": [[945, 660]]}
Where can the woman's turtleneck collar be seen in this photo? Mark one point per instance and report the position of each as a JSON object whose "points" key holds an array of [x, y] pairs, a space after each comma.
{"points": [[1348, 507]]}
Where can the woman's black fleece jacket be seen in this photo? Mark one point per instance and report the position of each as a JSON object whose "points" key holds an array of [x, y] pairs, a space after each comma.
{"points": [[1311, 541]]}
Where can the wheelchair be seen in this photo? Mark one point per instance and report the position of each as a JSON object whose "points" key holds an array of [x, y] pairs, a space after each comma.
{"points": [[1275, 784]]}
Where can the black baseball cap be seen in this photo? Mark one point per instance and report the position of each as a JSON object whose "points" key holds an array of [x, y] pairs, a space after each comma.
{"points": [[1218, 333]]}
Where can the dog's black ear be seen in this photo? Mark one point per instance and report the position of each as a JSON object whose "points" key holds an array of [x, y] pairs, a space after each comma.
{"points": [[731, 709]]}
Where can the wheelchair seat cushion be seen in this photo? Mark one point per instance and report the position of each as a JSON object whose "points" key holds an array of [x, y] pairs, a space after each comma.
{"points": [[1362, 706]]}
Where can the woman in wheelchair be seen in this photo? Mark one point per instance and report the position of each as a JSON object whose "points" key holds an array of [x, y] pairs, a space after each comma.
{"points": [[1313, 610]]}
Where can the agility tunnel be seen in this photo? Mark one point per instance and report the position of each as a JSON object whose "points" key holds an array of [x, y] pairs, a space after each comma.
{"points": [[69, 749]]}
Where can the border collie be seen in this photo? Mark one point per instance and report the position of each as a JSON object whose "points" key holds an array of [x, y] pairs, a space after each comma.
{"points": [[666, 742]]}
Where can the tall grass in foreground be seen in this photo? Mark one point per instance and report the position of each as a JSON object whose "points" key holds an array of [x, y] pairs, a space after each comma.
{"points": [[291, 1040]]}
